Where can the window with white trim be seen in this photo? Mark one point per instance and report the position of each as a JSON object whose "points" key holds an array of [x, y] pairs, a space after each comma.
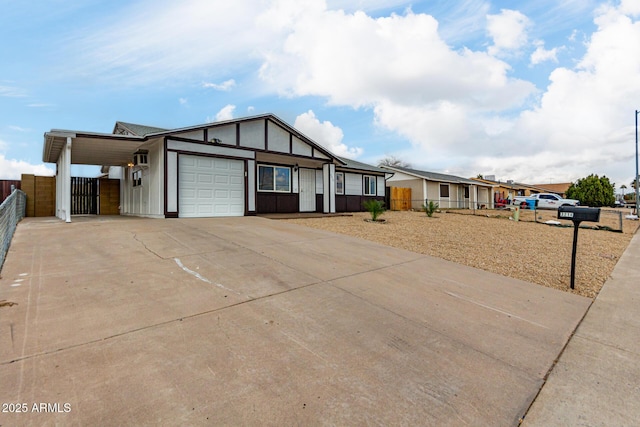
{"points": [[369, 185], [339, 182], [274, 178]]}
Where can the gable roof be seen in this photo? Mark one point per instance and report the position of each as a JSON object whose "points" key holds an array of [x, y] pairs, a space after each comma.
{"points": [[150, 131], [353, 164], [95, 148], [124, 128], [559, 188], [506, 184], [435, 176]]}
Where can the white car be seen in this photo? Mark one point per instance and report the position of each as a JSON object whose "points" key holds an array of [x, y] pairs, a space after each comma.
{"points": [[553, 201], [545, 201]]}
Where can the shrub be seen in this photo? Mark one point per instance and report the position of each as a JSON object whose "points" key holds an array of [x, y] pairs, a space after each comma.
{"points": [[374, 207], [430, 208]]}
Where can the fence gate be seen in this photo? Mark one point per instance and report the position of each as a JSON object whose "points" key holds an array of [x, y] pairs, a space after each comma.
{"points": [[84, 196]]}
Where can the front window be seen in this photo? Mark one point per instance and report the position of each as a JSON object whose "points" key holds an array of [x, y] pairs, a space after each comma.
{"points": [[444, 190], [339, 182], [466, 192], [369, 185], [274, 178]]}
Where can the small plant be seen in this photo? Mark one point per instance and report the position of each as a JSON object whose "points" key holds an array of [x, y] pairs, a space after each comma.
{"points": [[430, 208], [374, 207]]}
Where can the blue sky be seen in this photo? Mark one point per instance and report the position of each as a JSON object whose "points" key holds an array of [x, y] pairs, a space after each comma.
{"points": [[535, 91]]}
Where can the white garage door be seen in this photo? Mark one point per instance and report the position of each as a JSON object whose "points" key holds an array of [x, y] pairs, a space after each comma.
{"points": [[209, 186]]}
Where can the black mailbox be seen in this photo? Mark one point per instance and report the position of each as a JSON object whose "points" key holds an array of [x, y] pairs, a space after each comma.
{"points": [[578, 214]]}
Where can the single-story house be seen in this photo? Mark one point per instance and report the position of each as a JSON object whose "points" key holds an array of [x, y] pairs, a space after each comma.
{"points": [[236, 167], [558, 188], [507, 190], [448, 191]]}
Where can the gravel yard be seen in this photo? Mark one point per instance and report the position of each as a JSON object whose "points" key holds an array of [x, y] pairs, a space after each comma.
{"points": [[530, 251]]}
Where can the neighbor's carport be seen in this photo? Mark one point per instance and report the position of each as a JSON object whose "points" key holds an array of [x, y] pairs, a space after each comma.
{"points": [[66, 147], [249, 321]]}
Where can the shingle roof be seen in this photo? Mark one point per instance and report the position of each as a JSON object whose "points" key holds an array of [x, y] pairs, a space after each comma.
{"points": [[139, 130], [352, 164], [433, 176]]}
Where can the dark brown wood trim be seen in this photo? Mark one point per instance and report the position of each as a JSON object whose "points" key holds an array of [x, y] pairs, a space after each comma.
{"points": [[291, 144], [171, 215], [266, 135], [178, 184], [165, 175], [246, 187], [221, 156], [237, 147], [206, 134], [238, 134]]}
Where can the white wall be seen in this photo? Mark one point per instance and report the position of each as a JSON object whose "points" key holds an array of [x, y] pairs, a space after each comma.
{"points": [[148, 198]]}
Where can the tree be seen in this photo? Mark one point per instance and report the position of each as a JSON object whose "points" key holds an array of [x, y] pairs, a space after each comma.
{"points": [[393, 161], [593, 191]]}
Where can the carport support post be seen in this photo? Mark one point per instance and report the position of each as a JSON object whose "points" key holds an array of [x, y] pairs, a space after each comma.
{"points": [[66, 184], [63, 183]]}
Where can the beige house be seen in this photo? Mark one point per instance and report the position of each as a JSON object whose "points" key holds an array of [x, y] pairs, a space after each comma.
{"points": [[448, 191]]}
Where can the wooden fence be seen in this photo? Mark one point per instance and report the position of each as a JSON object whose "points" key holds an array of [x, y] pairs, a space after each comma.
{"points": [[400, 199], [88, 195], [41, 194], [5, 187]]}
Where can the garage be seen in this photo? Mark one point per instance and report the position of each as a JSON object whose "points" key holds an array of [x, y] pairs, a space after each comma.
{"points": [[210, 186]]}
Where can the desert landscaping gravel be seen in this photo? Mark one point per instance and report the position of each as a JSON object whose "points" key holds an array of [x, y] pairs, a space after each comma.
{"points": [[526, 250]]}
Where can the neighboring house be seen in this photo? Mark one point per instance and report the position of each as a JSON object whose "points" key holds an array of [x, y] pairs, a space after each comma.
{"points": [[237, 167], [560, 188], [448, 191], [506, 191]]}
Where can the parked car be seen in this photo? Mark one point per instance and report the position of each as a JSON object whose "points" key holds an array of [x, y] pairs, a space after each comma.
{"points": [[618, 204], [544, 201]]}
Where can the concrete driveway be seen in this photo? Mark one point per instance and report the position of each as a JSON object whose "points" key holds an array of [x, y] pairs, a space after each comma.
{"points": [[250, 321]]}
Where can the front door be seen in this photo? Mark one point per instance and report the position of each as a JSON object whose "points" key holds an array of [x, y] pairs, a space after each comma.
{"points": [[307, 190]]}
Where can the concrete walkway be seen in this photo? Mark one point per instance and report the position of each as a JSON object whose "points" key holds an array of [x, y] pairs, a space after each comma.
{"points": [[596, 382], [249, 321]]}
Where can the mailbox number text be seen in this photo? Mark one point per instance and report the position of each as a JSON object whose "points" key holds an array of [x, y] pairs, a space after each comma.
{"points": [[566, 214]]}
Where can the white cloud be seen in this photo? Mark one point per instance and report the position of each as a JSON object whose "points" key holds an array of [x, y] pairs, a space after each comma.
{"points": [[13, 169], [362, 61], [12, 92], [19, 128], [224, 86], [226, 113], [325, 134], [584, 121], [183, 101], [158, 40], [508, 30], [630, 7], [541, 54]]}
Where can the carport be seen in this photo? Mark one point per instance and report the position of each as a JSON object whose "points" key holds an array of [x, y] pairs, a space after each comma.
{"points": [[67, 147]]}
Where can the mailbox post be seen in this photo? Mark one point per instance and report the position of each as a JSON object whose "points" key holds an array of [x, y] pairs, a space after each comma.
{"points": [[577, 215]]}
